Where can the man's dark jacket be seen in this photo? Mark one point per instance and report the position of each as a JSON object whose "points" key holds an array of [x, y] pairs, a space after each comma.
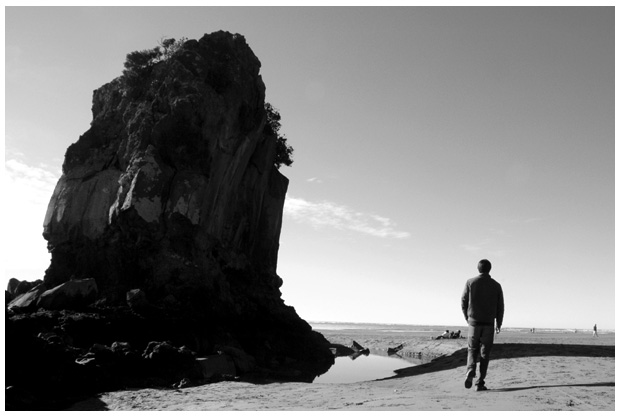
{"points": [[482, 301]]}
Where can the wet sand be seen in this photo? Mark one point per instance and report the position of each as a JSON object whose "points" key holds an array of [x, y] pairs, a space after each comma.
{"points": [[528, 372]]}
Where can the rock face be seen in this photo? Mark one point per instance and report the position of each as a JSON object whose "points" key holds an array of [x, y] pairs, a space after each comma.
{"points": [[174, 183], [173, 191]]}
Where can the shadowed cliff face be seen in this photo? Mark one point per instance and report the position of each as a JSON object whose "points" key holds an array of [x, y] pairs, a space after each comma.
{"points": [[176, 182], [173, 190]]}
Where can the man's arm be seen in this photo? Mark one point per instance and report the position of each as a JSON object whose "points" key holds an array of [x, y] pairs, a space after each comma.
{"points": [[465, 299], [500, 309]]}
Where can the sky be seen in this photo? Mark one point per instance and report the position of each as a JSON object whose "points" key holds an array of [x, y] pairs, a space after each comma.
{"points": [[425, 139]]}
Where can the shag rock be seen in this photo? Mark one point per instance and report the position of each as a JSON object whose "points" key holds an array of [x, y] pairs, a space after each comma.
{"points": [[174, 190]]}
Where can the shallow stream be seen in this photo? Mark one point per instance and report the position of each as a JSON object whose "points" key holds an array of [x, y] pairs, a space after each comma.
{"points": [[348, 369]]}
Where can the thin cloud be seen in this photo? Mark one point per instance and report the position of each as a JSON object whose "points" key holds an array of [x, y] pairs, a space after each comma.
{"points": [[327, 214], [471, 248], [527, 220], [34, 184], [484, 249], [30, 189]]}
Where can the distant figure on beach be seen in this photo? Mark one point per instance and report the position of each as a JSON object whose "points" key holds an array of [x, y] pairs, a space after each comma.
{"points": [[444, 335], [482, 302], [595, 330]]}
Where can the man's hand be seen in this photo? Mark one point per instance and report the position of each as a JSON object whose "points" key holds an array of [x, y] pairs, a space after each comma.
{"points": [[497, 330]]}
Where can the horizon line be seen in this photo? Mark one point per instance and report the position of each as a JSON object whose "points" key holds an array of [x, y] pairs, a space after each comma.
{"points": [[453, 325]]}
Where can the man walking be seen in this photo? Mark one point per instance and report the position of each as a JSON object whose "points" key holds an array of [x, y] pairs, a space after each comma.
{"points": [[482, 302]]}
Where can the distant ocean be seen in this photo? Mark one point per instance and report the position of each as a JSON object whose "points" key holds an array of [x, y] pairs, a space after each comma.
{"points": [[387, 327], [404, 328]]}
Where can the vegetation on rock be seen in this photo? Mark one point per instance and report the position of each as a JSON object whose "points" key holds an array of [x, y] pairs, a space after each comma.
{"points": [[284, 152], [139, 64], [139, 69]]}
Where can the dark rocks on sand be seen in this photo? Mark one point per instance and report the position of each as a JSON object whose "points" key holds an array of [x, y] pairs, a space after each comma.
{"points": [[12, 286], [341, 350], [15, 288], [136, 299], [75, 294], [216, 365], [396, 349], [28, 301]]}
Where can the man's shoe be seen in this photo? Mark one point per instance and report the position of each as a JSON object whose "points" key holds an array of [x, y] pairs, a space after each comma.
{"points": [[468, 382], [481, 388]]}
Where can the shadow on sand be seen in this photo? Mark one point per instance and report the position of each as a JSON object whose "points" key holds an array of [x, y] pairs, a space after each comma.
{"points": [[507, 351], [91, 404]]}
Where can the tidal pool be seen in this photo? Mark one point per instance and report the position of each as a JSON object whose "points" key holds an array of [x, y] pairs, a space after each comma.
{"points": [[362, 368]]}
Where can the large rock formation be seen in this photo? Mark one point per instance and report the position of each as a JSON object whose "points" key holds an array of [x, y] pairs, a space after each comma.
{"points": [[174, 183], [173, 191]]}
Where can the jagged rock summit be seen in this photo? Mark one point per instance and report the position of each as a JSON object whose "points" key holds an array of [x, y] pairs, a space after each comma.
{"points": [[174, 191]]}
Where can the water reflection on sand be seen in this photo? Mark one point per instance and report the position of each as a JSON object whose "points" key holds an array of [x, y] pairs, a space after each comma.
{"points": [[378, 364]]}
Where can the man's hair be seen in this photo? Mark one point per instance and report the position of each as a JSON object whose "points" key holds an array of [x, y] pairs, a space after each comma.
{"points": [[485, 266]]}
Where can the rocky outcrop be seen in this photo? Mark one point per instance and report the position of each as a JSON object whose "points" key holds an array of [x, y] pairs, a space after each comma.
{"points": [[71, 294], [27, 301], [173, 194], [173, 183], [16, 287]]}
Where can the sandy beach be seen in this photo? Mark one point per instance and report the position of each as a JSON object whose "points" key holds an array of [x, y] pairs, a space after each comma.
{"points": [[528, 372]]}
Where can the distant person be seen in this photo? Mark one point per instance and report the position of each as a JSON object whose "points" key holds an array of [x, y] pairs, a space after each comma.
{"points": [[444, 335], [595, 330], [482, 302]]}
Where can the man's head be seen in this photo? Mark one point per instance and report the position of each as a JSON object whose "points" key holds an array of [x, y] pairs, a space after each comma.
{"points": [[485, 266]]}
